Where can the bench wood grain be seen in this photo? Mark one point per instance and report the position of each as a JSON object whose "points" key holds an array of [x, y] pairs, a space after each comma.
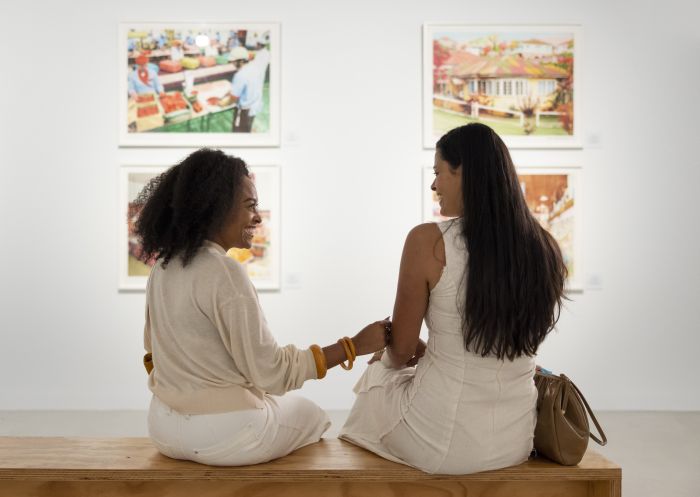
{"points": [[118, 466]]}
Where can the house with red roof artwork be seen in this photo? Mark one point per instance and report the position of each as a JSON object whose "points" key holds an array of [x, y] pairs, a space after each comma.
{"points": [[507, 81]]}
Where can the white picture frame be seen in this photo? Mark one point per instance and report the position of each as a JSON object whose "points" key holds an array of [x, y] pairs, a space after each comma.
{"points": [[133, 273], [564, 214], [565, 227], [517, 79], [208, 111], [263, 267]]}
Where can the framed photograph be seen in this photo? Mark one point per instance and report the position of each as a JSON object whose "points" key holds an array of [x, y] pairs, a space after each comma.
{"points": [[554, 198], [553, 195], [262, 260], [519, 80], [194, 84], [133, 273], [431, 205]]}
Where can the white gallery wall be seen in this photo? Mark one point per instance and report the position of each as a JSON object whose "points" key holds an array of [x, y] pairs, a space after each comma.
{"points": [[351, 157]]}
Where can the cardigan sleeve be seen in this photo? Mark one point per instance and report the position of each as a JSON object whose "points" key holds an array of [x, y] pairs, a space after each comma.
{"points": [[268, 366]]}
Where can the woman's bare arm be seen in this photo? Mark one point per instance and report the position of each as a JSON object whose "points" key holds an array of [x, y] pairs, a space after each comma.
{"points": [[421, 266]]}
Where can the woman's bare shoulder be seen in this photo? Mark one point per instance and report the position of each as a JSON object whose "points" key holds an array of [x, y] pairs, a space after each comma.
{"points": [[426, 232], [425, 239]]}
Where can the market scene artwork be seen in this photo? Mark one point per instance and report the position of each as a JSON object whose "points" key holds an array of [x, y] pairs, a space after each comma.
{"points": [[517, 80], [262, 259], [552, 198], [199, 84]]}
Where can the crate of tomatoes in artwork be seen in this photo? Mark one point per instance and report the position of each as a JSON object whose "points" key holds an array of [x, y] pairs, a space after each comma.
{"points": [[175, 107], [148, 112]]}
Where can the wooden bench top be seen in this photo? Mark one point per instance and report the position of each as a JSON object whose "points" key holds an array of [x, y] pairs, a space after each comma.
{"points": [[131, 459]]}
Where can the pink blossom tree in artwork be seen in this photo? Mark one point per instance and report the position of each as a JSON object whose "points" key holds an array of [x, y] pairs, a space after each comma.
{"points": [[440, 56]]}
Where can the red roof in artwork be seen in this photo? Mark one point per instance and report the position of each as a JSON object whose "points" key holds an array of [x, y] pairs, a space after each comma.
{"points": [[508, 66], [458, 57], [534, 41]]}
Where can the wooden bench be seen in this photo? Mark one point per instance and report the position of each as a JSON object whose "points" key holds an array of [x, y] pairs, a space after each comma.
{"points": [[77, 467]]}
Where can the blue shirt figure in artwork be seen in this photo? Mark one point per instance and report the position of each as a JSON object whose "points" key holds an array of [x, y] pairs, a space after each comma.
{"points": [[144, 78], [233, 40], [247, 86]]}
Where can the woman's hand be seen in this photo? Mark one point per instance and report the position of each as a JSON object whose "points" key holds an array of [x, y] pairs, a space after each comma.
{"points": [[376, 357], [371, 337], [420, 352]]}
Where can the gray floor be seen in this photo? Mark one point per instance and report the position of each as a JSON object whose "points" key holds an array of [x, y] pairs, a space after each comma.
{"points": [[659, 451]]}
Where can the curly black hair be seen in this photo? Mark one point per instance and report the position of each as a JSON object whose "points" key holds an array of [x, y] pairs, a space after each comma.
{"points": [[187, 204]]}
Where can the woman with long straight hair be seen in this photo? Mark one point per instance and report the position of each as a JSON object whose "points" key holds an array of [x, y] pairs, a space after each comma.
{"points": [[489, 285]]}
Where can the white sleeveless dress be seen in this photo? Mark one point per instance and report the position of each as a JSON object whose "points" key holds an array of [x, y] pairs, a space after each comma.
{"points": [[455, 412]]}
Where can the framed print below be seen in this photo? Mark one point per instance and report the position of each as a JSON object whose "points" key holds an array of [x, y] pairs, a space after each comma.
{"points": [[263, 259], [431, 204], [519, 80], [133, 272], [554, 198], [193, 84]]}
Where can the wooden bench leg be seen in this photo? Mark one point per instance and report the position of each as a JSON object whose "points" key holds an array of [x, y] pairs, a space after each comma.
{"points": [[606, 488]]}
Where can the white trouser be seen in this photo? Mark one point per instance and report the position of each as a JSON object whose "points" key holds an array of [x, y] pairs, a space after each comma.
{"points": [[240, 437]]}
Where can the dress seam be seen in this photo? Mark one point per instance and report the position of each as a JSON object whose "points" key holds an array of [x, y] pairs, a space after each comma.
{"points": [[453, 420]]}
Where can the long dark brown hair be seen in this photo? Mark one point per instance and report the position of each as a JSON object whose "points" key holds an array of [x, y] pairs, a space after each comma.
{"points": [[187, 204], [515, 276]]}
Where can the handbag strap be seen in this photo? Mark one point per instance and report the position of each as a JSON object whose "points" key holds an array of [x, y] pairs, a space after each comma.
{"points": [[590, 413]]}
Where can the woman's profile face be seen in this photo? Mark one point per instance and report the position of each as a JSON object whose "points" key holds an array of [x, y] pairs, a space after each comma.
{"points": [[448, 186], [240, 226]]}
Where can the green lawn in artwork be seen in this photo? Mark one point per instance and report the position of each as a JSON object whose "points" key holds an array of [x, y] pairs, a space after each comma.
{"points": [[220, 122], [445, 121]]}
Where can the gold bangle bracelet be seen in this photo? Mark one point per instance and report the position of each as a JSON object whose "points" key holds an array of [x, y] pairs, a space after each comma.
{"points": [[352, 347], [320, 360], [348, 355]]}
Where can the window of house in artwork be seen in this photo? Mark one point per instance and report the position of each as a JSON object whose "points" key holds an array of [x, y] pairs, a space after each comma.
{"points": [[546, 87], [508, 87]]}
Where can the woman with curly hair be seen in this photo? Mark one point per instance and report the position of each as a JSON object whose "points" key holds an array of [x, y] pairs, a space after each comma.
{"points": [[489, 285], [217, 374]]}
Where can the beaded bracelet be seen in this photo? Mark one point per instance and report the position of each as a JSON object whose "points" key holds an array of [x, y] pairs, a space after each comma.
{"points": [[387, 334]]}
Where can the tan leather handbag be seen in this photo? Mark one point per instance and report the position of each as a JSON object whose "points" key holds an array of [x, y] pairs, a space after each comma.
{"points": [[562, 430]]}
